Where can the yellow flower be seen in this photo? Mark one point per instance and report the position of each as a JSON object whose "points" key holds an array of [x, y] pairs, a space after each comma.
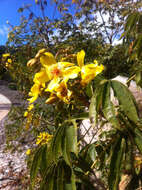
{"points": [[25, 114], [53, 71], [43, 138], [57, 71], [7, 64], [6, 55], [59, 90], [9, 61], [90, 71], [28, 152], [62, 92], [27, 126], [60, 69], [30, 107]]}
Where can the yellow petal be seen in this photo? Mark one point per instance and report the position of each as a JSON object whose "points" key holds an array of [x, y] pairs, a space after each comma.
{"points": [[89, 72], [70, 73], [95, 62], [80, 58], [30, 107], [53, 98], [35, 90], [99, 69], [66, 98], [31, 62], [64, 64], [28, 152], [6, 55], [61, 86], [41, 77], [9, 61], [40, 52], [47, 59], [33, 99], [62, 92], [53, 84], [25, 114]]}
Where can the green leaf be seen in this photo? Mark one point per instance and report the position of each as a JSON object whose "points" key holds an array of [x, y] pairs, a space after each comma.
{"points": [[71, 136], [49, 175], [115, 165], [95, 104], [64, 151], [60, 177], [129, 156], [89, 90], [108, 107], [138, 78], [68, 187], [91, 152], [69, 142], [73, 181], [88, 153], [36, 164], [80, 116], [64, 142], [138, 138], [44, 161], [131, 21], [56, 143], [126, 100]]}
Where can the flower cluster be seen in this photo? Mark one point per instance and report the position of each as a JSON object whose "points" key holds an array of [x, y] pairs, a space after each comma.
{"points": [[54, 76], [7, 59], [28, 115], [43, 138]]}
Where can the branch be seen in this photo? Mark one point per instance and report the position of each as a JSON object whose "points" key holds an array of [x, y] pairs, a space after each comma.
{"points": [[107, 34]]}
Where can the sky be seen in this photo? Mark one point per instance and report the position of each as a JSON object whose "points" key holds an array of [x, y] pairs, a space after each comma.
{"points": [[8, 12]]}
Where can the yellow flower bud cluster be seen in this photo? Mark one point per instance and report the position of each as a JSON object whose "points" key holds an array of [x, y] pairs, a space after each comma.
{"points": [[43, 138], [33, 61], [28, 115]]}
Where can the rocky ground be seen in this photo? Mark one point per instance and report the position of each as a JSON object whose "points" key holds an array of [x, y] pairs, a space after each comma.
{"points": [[12, 165]]}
